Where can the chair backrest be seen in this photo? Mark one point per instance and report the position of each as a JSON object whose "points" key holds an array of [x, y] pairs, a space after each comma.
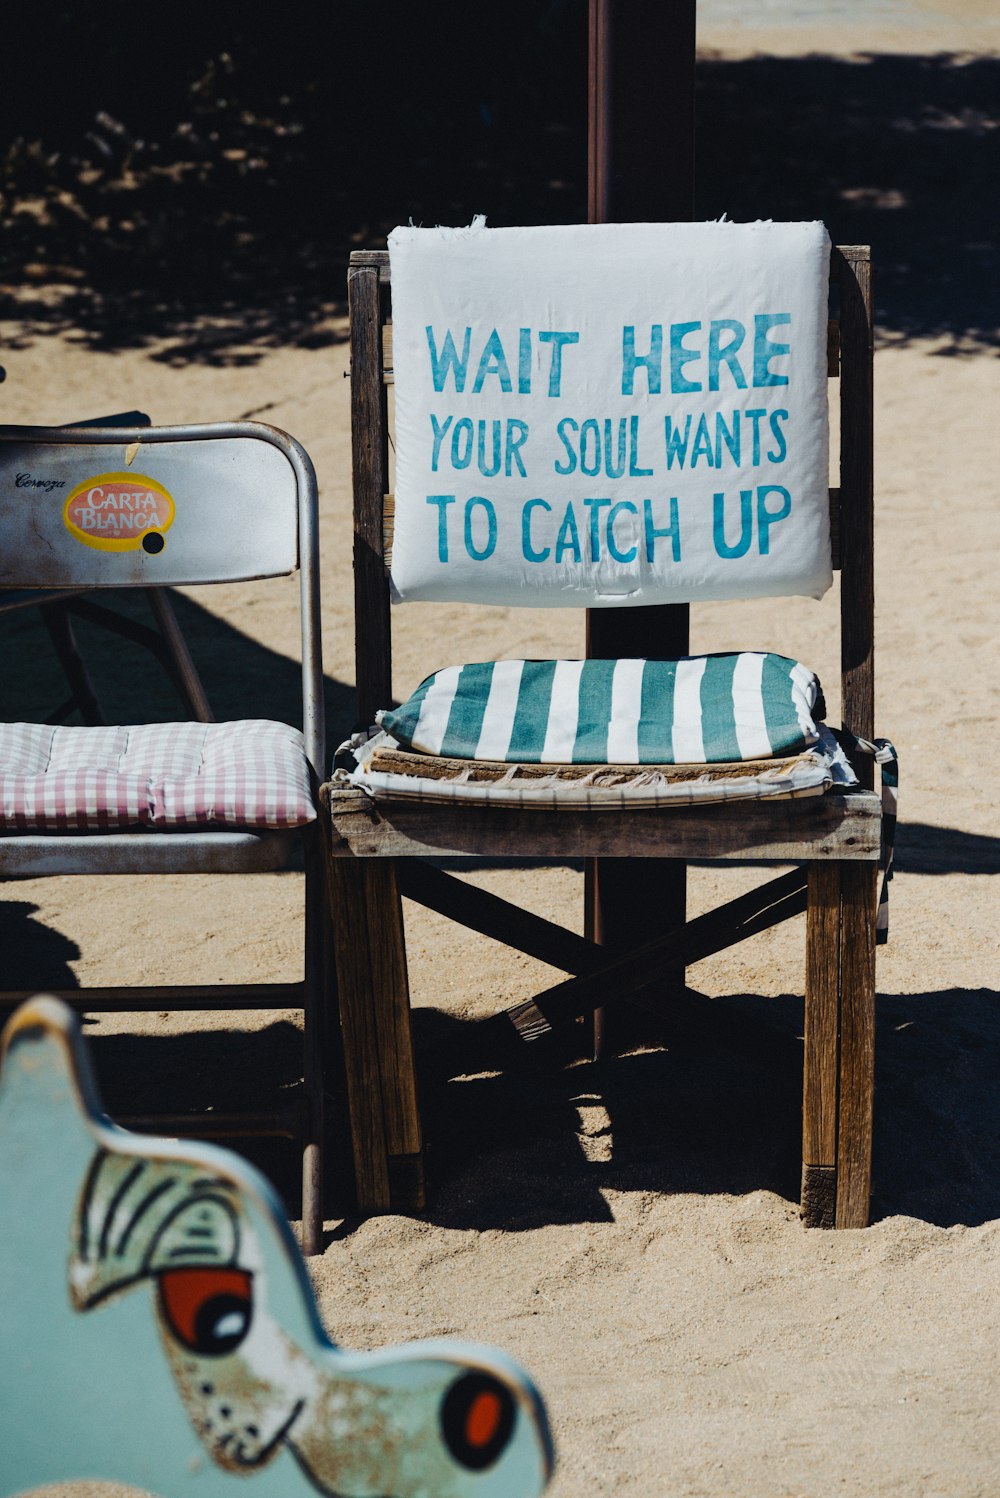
{"points": [[125, 507], [850, 347]]}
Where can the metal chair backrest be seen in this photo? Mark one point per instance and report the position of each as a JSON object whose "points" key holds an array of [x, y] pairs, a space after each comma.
{"points": [[118, 507]]}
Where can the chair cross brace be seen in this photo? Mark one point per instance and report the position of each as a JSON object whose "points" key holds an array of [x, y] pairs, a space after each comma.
{"points": [[609, 981], [148, 999], [600, 977]]}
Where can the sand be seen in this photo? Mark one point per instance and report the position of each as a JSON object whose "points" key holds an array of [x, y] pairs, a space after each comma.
{"points": [[630, 1231]]}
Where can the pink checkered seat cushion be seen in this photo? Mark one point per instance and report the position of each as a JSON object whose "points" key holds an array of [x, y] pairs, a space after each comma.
{"points": [[156, 775]]}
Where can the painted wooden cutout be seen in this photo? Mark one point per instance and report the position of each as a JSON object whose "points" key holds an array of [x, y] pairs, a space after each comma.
{"points": [[159, 1329]]}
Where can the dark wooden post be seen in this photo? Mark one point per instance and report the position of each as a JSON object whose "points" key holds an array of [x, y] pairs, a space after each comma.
{"points": [[640, 169]]}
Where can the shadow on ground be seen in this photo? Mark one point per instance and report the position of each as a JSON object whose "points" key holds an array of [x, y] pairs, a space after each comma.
{"points": [[922, 849], [214, 209], [893, 151], [242, 677], [714, 1107], [35, 956]]}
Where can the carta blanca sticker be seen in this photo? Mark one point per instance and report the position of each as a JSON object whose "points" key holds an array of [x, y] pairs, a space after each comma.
{"points": [[120, 512]]}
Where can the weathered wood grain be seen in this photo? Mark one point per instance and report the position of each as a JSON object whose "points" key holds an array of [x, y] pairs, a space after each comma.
{"points": [[388, 531], [819, 1196], [857, 1044], [391, 995], [370, 961], [857, 585], [358, 1020], [480, 910], [834, 826], [822, 1017], [369, 447], [692, 941]]}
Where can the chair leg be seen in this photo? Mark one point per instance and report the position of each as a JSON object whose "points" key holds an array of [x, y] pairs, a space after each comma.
{"points": [[858, 894], [316, 1050], [57, 622], [373, 995], [839, 1045], [177, 657], [623, 914], [819, 1089]]}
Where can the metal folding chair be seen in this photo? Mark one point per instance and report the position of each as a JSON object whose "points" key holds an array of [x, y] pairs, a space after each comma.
{"points": [[150, 507]]}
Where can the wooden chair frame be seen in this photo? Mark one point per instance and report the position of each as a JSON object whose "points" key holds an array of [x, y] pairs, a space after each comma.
{"points": [[379, 851]]}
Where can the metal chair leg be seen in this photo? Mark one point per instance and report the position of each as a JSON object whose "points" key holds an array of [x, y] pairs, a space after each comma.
{"points": [[60, 628], [314, 1024], [177, 657]]}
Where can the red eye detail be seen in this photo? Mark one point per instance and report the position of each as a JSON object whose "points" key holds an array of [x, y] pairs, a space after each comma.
{"points": [[483, 1419], [477, 1419], [208, 1310]]}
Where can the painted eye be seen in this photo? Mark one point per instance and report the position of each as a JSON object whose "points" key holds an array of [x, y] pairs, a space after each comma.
{"points": [[208, 1310], [477, 1417]]}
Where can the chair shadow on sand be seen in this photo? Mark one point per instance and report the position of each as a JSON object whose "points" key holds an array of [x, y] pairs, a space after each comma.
{"points": [[714, 1106], [717, 1109], [242, 677]]}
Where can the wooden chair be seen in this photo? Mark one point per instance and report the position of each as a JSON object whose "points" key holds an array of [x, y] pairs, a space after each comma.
{"points": [[378, 850], [194, 504]]}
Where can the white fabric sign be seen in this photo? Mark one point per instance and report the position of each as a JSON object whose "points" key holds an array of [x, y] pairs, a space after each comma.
{"points": [[610, 414]]}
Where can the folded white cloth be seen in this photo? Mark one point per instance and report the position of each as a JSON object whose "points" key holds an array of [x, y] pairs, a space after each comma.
{"points": [[602, 788], [611, 414]]}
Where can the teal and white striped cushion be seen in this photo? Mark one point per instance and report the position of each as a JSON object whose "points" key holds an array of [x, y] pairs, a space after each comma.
{"points": [[703, 709]]}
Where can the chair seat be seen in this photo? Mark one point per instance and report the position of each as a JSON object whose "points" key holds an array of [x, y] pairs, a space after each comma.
{"points": [[247, 774], [842, 824]]}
